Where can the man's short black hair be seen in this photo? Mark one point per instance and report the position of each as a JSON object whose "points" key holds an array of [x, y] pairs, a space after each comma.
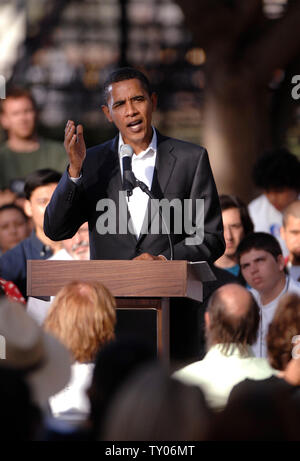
{"points": [[40, 178], [259, 241], [277, 169], [232, 201], [125, 73]]}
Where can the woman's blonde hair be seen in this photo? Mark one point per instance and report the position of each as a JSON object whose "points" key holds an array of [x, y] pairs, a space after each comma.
{"points": [[82, 316]]}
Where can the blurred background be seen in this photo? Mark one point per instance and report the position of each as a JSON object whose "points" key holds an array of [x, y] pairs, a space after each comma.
{"points": [[222, 69]]}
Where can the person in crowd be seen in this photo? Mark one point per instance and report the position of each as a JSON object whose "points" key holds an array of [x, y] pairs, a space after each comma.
{"points": [[24, 150], [169, 167], [261, 411], [158, 408], [7, 196], [290, 233], [40, 358], [262, 265], [283, 340], [75, 248], [39, 188], [269, 409], [277, 173], [14, 226], [115, 363], [237, 223], [82, 317], [231, 321]]}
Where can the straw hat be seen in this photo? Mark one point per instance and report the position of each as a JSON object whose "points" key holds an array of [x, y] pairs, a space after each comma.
{"points": [[26, 347]]}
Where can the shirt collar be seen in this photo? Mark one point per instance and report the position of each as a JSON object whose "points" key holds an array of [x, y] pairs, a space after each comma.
{"points": [[232, 350], [151, 149]]}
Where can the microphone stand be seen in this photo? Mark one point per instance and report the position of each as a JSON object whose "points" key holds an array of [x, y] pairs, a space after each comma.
{"points": [[131, 179]]}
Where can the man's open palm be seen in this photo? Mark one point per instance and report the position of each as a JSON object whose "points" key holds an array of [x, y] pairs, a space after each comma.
{"points": [[75, 147]]}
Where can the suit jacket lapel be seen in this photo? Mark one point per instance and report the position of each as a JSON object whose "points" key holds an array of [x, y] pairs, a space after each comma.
{"points": [[165, 162], [115, 187]]}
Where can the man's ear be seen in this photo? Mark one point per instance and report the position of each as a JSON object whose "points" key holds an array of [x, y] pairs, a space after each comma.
{"points": [[206, 320], [106, 112], [282, 232], [27, 208], [280, 260], [3, 121]]}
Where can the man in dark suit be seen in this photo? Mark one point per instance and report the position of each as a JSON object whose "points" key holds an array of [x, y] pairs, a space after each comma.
{"points": [[171, 168]]}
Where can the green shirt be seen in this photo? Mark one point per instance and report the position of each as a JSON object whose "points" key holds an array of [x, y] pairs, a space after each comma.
{"points": [[13, 165]]}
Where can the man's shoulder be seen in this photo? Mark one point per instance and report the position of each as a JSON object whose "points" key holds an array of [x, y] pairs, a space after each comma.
{"points": [[191, 371], [258, 202], [22, 248], [4, 149], [13, 261], [100, 154], [258, 367], [262, 207], [106, 146]]}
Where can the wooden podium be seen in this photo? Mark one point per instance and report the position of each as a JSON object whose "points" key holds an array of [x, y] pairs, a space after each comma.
{"points": [[135, 284]]}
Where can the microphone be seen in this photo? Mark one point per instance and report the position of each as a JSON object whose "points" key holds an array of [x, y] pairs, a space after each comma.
{"points": [[129, 181]]}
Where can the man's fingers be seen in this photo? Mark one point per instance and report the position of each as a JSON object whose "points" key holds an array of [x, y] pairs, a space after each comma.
{"points": [[145, 257], [79, 130], [69, 132], [69, 125], [72, 141]]}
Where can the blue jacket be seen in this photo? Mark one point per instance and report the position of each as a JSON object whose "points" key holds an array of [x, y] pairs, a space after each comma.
{"points": [[13, 263]]}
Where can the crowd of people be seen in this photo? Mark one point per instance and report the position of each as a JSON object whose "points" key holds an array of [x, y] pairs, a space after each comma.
{"points": [[65, 374]]}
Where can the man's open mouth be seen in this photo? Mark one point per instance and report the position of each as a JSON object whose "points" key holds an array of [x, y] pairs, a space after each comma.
{"points": [[135, 123]]}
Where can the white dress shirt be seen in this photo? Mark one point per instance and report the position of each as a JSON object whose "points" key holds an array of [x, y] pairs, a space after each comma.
{"points": [[219, 372], [143, 166]]}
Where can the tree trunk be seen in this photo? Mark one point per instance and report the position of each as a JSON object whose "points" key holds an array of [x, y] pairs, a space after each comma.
{"points": [[236, 130]]}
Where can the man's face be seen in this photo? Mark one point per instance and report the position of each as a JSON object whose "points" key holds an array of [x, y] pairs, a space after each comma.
{"points": [[281, 198], [78, 246], [36, 206], [18, 117], [291, 235], [13, 228], [260, 269], [233, 230], [130, 108]]}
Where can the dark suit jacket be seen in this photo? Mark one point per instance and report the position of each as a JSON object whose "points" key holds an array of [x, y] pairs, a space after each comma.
{"points": [[182, 171]]}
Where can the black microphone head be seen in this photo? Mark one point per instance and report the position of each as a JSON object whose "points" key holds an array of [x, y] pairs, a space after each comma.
{"points": [[126, 151]]}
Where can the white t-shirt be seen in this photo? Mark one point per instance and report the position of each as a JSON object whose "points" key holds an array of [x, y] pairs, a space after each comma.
{"points": [[72, 402], [267, 312], [266, 218]]}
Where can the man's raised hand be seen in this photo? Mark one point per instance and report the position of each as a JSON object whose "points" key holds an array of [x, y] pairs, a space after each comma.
{"points": [[75, 147]]}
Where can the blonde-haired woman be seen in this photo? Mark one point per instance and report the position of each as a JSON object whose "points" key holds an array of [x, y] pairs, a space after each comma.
{"points": [[82, 316]]}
